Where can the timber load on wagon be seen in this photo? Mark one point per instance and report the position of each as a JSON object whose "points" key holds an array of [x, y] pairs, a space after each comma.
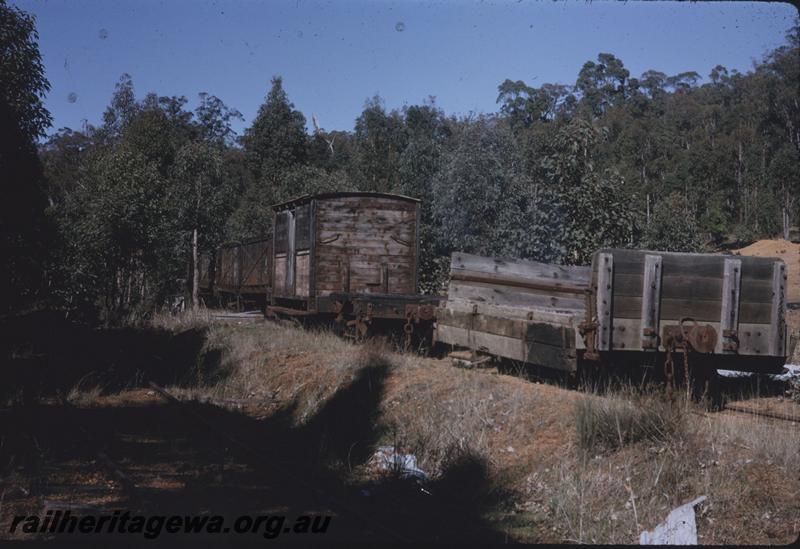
{"points": [[630, 306]]}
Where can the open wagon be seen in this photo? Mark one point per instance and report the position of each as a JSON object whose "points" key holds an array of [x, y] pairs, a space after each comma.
{"points": [[630, 307], [237, 273]]}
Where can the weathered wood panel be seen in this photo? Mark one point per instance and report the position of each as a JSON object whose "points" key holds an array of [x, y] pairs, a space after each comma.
{"points": [[302, 276], [753, 338], [365, 244], [228, 273], [729, 316], [698, 287], [356, 204], [537, 284], [551, 357], [699, 265], [559, 336], [651, 300], [517, 309], [303, 227], [508, 327], [777, 341], [492, 294], [698, 309], [290, 253], [254, 264], [519, 269], [279, 275], [604, 267], [508, 347], [281, 234], [204, 264], [550, 316], [339, 219]]}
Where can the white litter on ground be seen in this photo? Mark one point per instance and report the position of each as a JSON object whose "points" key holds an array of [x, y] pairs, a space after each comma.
{"points": [[386, 457], [791, 371], [678, 529]]}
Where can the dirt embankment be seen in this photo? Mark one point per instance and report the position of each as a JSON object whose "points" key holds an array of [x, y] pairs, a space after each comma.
{"points": [[789, 252]]}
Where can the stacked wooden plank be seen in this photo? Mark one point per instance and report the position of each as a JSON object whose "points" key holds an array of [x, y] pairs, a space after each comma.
{"points": [[521, 310]]}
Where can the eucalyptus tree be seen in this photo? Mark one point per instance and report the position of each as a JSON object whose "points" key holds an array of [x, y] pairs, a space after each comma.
{"points": [[24, 228]]}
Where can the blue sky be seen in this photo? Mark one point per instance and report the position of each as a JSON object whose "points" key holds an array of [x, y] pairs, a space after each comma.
{"points": [[335, 54]]}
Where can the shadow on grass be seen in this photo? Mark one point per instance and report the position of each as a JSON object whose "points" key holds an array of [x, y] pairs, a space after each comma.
{"points": [[194, 459], [44, 355]]}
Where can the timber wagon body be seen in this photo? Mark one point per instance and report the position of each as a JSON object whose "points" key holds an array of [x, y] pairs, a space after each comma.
{"points": [[629, 307], [237, 273], [353, 256]]}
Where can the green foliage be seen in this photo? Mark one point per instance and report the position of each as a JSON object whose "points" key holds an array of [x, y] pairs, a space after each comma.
{"points": [[379, 141], [477, 192], [672, 227], [592, 211], [24, 230], [276, 141], [201, 197], [659, 161], [116, 230], [524, 105], [214, 120], [23, 84]]}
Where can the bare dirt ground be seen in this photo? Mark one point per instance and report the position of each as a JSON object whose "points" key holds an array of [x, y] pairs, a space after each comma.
{"points": [[284, 420]]}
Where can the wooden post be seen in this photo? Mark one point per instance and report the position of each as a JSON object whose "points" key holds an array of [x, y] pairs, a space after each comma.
{"points": [[290, 252], [195, 272], [312, 257], [651, 301], [777, 342], [605, 272], [729, 320], [344, 269], [385, 278]]}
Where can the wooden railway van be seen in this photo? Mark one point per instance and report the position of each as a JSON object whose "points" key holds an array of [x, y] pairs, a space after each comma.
{"points": [[352, 253], [629, 306]]}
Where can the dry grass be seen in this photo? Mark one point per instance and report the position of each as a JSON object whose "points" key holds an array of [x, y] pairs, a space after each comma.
{"points": [[85, 394], [774, 442], [626, 417], [622, 480], [583, 468], [185, 320], [438, 425]]}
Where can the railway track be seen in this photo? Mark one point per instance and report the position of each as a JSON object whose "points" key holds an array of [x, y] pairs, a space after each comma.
{"points": [[791, 418]]}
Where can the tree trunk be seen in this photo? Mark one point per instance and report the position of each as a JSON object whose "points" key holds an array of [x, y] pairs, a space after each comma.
{"points": [[195, 272], [786, 215], [743, 209]]}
